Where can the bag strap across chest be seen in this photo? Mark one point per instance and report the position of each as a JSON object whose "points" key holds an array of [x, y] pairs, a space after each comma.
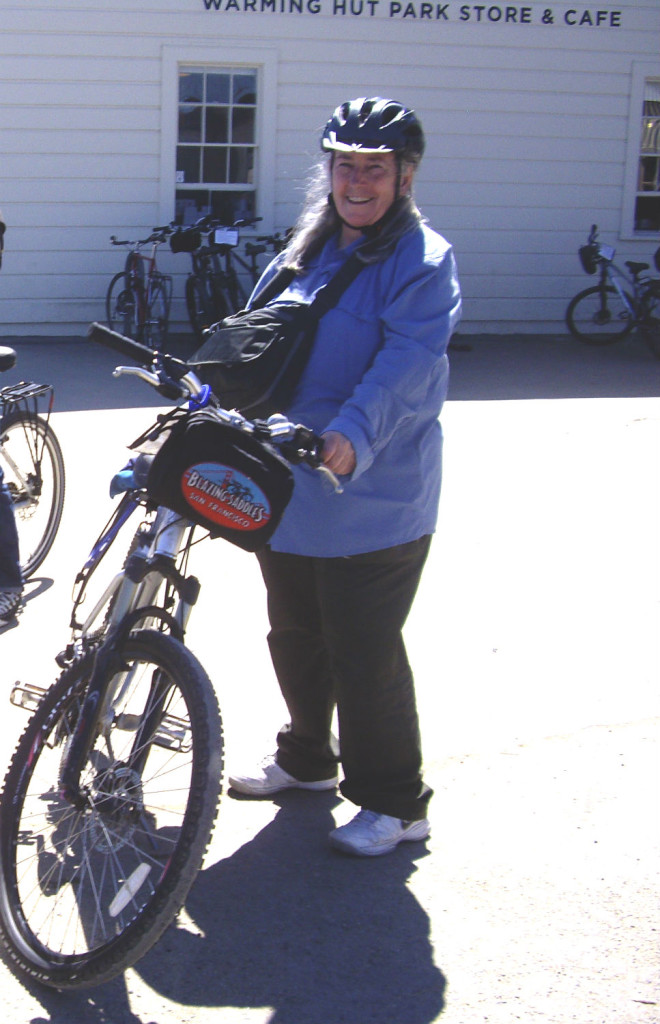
{"points": [[327, 296]]}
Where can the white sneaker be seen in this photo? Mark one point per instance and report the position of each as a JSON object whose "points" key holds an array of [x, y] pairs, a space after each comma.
{"points": [[370, 834], [269, 778]]}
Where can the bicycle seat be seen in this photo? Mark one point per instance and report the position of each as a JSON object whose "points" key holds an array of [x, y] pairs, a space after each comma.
{"points": [[636, 268], [7, 358]]}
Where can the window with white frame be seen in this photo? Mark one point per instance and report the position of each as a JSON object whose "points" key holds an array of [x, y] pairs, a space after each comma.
{"points": [[647, 199], [216, 153]]}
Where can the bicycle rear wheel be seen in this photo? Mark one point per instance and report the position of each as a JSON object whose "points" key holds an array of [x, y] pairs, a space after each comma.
{"points": [[122, 307], [86, 893], [650, 332], [33, 467], [598, 316]]}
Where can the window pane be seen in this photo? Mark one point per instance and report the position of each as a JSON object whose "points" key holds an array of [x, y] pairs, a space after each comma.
{"points": [[190, 124], [189, 206], [651, 135], [241, 164], [232, 206], [187, 164], [215, 164], [217, 143], [245, 88], [243, 122], [647, 213], [191, 87], [649, 178], [217, 124], [217, 88]]}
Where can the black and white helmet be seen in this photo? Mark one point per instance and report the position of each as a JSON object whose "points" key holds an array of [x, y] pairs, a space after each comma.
{"points": [[374, 125]]}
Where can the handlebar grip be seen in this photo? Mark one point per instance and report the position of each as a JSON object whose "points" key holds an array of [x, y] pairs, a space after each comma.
{"points": [[140, 354]]}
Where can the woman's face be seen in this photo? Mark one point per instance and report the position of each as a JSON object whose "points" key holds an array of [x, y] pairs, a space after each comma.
{"points": [[364, 188]]}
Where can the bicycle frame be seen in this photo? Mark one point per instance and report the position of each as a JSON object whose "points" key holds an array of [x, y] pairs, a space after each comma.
{"points": [[158, 544], [143, 274], [612, 275], [128, 598]]}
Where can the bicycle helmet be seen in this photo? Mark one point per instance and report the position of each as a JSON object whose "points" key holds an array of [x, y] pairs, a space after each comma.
{"points": [[372, 126]]}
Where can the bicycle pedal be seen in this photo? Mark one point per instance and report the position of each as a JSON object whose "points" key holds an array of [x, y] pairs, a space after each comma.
{"points": [[174, 734], [26, 695]]}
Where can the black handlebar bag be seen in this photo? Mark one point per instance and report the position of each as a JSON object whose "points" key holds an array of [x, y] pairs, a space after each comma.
{"points": [[222, 479], [253, 359]]}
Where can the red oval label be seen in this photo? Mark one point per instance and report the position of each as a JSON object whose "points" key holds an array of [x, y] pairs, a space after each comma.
{"points": [[226, 497]]}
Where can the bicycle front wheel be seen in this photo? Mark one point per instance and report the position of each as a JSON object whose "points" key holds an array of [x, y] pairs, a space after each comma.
{"points": [[158, 314], [122, 307], [598, 316], [84, 893], [33, 468], [199, 306]]}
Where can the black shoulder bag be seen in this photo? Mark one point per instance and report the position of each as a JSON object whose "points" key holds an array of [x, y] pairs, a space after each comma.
{"points": [[253, 360]]}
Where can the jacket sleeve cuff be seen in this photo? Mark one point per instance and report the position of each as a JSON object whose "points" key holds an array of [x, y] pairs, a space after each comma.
{"points": [[363, 454]]}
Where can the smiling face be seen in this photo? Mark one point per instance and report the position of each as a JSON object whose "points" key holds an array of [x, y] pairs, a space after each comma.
{"points": [[364, 188]]}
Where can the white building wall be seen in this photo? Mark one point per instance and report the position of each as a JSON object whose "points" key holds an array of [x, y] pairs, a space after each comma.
{"points": [[528, 121]]}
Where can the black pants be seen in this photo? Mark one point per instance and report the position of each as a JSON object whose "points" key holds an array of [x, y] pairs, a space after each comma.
{"points": [[336, 640]]}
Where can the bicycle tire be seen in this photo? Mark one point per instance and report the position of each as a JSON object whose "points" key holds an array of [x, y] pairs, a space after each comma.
{"points": [[650, 332], [200, 309], [157, 315], [122, 307], [592, 324], [75, 906], [33, 467]]}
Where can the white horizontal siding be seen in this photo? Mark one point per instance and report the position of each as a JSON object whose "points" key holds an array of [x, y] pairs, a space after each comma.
{"points": [[527, 133]]}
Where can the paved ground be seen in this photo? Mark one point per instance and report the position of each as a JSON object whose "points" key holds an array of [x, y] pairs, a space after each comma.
{"points": [[535, 642]]}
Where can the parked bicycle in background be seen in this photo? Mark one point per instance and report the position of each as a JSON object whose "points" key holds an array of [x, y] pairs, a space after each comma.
{"points": [[139, 296], [621, 301], [32, 464], [221, 279]]}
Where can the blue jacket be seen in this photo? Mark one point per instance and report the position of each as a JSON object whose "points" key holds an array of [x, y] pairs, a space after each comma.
{"points": [[378, 373]]}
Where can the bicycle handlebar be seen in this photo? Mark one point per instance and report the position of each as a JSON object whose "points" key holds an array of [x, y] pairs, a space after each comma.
{"points": [[157, 235], [175, 380]]}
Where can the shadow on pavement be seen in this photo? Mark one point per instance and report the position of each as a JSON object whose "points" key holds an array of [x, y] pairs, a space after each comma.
{"points": [[483, 367], [286, 923], [520, 366], [81, 372]]}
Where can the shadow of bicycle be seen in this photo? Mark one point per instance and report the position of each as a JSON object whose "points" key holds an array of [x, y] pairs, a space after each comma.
{"points": [[34, 588], [285, 923]]}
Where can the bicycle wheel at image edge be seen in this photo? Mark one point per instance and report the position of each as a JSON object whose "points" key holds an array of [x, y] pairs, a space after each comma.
{"points": [[599, 319], [121, 307], [33, 467], [85, 893]]}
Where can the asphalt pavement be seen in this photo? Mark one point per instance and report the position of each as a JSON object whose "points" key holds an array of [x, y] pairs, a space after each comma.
{"points": [[534, 640]]}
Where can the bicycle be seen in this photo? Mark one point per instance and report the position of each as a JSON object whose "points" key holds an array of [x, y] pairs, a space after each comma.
{"points": [[112, 792], [32, 464], [620, 301], [214, 288], [138, 299]]}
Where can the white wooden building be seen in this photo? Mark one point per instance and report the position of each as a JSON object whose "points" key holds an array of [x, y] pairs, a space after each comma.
{"points": [[115, 115]]}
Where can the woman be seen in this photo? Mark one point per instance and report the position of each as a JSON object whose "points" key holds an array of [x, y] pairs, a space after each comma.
{"points": [[341, 571]]}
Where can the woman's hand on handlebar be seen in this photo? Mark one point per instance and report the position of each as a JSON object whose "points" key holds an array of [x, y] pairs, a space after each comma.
{"points": [[338, 453]]}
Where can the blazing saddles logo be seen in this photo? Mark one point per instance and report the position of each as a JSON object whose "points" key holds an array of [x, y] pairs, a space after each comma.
{"points": [[225, 496]]}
